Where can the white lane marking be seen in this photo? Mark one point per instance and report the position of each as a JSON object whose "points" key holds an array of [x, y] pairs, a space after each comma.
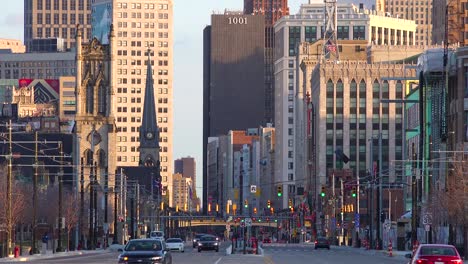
{"points": [[218, 260]]}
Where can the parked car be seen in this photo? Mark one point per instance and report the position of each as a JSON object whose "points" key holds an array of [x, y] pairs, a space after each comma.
{"points": [[197, 238], [435, 253], [322, 242], [266, 240], [151, 251], [175, 244], [208, 242]]}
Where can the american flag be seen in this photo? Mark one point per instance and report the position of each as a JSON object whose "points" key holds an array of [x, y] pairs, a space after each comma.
{"points": [[331, 47]]}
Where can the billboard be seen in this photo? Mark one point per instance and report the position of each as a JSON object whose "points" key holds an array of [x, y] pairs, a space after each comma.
{"points": [[101, 21]]}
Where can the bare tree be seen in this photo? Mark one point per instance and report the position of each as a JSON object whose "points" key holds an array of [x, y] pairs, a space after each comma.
{"points": [[71, 213], [456, 197], [18, 201]]}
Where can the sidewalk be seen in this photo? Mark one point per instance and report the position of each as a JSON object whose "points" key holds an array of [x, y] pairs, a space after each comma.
{"points": [[50, 254]]}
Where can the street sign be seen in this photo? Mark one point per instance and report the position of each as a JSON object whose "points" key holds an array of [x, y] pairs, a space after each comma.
{"points": [[253, 188], [248, 221], [427, 228], [427, 219]]}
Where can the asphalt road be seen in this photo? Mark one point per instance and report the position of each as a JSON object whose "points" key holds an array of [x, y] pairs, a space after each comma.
{"points": [[272, 254]]}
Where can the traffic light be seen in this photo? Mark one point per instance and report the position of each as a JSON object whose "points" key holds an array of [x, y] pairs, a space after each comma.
{"points": [[246, 203], [353, 192], [280, 190], [272, 210], [322, 193], [382, 217], [255, 210], [269, 204], [290, 204]]}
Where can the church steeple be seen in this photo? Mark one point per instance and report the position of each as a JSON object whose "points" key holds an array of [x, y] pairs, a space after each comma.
{"points": [[149, 131]]}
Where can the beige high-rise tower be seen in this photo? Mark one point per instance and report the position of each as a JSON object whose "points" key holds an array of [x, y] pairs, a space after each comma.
{"points": [[140, 25], [419, 11], [56, 19]]}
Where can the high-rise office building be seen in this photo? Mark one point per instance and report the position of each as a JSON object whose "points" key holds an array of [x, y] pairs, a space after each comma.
{"points": [[56, 19], [233, 69], [419, 11], [355, 24], [140, 25], [272, 10], [187, 168], [456, 17]]}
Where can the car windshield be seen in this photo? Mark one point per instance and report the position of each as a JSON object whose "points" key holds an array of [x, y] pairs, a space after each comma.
{"points": [[207, 238], [439, 251], [322, 239], [143, 245], [174, 240], [157, 234], [199, 235]]}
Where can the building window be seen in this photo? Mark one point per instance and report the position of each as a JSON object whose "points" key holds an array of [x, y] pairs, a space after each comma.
{"points": [[310, 34], [343, 32], [294, 39], [359, 32], [64, 4]]}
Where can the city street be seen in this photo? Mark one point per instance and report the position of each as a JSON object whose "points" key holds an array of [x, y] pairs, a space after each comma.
{"points": [[272, 254], [296, 254]]}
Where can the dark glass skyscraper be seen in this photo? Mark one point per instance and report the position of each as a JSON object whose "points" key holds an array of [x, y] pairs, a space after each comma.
{"points": [[272, 10], [233, 77]]}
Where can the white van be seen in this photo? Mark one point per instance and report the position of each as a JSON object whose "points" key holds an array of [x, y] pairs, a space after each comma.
{"points": [[157, 235]]}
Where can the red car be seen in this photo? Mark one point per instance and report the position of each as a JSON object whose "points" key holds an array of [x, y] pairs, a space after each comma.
{"points": [[266, 240], [435, 254]]}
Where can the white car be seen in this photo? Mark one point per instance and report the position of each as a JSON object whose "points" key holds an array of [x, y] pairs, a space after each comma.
{"points": [[175, 244]]}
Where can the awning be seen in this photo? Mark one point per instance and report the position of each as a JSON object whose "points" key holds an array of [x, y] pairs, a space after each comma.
{"points": [[406, 215]]}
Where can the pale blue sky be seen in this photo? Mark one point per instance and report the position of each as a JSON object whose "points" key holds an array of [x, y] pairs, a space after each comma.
{"points": [[190, 18]]}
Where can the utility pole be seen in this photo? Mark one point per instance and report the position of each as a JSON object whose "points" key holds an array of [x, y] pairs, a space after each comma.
{"points": [[371, 196], [379, 210], [106, 194], [60, 179], [36, 175], [116, 240], [82, 203], [91, 203], [95, 217], [342, 211], [9, 187]]}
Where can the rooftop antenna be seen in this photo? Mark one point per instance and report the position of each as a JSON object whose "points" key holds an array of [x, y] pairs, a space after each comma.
{"points": [[330, 43]]}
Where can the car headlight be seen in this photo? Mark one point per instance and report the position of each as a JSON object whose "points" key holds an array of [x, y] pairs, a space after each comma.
{"points": [[199, 244], [123, 258], [216, 243], [194, 240], [156, 258]]}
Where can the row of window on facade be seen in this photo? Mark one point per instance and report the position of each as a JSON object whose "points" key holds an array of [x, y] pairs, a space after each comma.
{"points": [[42, 64], [161, 53], [138, 90], [137, 159], [56, 19], [56, 33], [162, 139], [137, 149], [15, 74], [140, 15], [161, 25], [124, 43], [142, 6], [139, 34], [62, 4]]}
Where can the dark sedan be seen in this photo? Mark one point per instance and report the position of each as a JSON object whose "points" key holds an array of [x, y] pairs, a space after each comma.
{"points": [[322, 242], [208, 243], [145, 251], [197, 238]]}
